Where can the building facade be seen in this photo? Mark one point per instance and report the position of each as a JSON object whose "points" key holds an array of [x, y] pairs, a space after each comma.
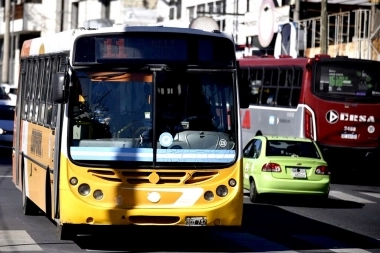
{"points": [[259, 26]]}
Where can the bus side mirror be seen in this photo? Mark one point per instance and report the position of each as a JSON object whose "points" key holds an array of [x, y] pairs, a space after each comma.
{"points": [[59, 87]]}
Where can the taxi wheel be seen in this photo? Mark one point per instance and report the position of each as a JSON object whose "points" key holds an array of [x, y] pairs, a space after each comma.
{"points": [[253, 195]]}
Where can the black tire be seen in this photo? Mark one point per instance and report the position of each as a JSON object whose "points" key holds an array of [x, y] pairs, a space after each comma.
{"points": [[253, 195], [28, 206], [65, 232]]}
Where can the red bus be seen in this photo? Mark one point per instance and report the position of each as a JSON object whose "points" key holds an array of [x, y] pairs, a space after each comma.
{"points": [[334, 101]]}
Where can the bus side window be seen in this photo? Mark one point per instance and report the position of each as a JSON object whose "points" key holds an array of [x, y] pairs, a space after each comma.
{"points": [[270, 83], [285, 84], [255, 82], [295, 96], [283, 97], [296, 87]]}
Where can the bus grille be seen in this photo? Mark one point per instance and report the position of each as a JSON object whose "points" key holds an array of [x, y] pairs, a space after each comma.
{"points": [[157, 177]]}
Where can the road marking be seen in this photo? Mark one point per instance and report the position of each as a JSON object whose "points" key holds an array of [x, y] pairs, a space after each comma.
{"points": [[17, 241], [348, 197], [330, 244], [372, 194], [254, 243], [353, 250], [5, 176]]}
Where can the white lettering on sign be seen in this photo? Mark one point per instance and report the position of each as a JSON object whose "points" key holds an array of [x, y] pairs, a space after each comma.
{"points": [[349, 136], [356, 118], [350, 128]]}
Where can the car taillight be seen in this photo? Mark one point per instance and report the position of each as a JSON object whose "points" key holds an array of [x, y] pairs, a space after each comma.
{"points": [[322, 170], [309, 133], [271, 167]]}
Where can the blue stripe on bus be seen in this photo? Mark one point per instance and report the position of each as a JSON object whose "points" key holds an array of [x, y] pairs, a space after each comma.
{"points": [[146, 154]]}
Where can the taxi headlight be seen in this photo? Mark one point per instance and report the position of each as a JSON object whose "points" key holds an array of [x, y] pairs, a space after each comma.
{"points": [[84, 189], [222, 191]]}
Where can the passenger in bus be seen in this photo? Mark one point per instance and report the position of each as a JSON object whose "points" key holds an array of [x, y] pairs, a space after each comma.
{"points": [[270, 99]]}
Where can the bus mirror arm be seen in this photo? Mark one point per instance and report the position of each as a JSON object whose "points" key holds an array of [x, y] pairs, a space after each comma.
{"points": [[59, 86]]}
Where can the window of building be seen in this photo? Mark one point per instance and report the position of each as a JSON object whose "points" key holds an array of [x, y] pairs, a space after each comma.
{"points": [[191, 13], [201, 8]]}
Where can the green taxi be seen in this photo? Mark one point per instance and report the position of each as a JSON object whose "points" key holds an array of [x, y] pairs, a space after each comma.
{"points": [[284, 165]]}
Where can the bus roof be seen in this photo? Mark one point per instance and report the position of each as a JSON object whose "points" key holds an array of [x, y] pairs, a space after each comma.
{"points": [[62, 41]]}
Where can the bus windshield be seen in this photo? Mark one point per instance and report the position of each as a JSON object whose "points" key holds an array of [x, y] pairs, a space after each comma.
{"points": [[356, 82], [153, 117]]}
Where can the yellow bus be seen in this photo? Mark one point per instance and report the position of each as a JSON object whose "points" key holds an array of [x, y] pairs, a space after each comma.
{"points": [[129, 126]]}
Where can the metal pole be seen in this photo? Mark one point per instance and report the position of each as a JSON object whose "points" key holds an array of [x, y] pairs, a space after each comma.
{"points": [[324, 24], [296, 15], [372, 31], [5, 70], [12, 51]]}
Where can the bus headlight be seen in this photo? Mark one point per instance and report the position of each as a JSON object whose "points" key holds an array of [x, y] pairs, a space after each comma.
{"points": [[84, 189], [222, 191], [209, 195], [232, 182], [73, 181], [98, 194]]}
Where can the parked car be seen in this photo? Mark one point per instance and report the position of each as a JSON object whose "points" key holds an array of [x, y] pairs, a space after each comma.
{"points": [[284, 165], [7, 110]]}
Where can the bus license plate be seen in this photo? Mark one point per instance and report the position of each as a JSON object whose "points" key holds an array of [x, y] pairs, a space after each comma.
{"points": [[298, 173], [196, 221]]}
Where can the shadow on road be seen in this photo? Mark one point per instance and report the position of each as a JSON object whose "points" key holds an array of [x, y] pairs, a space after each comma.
{"points": [[262, 225], [307, 201], [5, 156], [356, 172]]}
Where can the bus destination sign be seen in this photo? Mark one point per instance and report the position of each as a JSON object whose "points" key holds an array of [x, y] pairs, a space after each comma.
{"points": [[141, 48]]}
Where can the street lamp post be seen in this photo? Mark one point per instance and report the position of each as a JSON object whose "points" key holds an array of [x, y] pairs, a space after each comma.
{"points": [[324, 27], [5, 70]]}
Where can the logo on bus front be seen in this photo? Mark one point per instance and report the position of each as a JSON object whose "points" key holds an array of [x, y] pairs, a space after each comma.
{"points": [[333, 116]]}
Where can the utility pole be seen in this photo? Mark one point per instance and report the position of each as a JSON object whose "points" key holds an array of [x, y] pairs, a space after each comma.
{"points": [[296, 14], [324, 27], [5, 70]]}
